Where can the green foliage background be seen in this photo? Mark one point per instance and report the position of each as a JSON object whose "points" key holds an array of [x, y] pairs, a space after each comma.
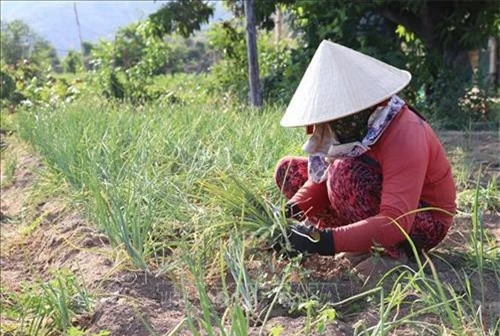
{"points": [[443, 88]]}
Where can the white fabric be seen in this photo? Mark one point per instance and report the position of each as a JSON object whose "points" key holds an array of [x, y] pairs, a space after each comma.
{"points": [[323, 146], [339, 82]]}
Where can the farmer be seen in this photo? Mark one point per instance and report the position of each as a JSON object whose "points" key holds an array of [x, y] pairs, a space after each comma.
{"points": [[374, 170]]}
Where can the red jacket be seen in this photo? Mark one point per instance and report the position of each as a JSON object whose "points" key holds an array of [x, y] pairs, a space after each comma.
{"points": [[414, 168]]}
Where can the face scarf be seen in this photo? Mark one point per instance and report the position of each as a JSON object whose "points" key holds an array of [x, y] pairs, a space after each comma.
{"points": [[324, 145], [352, 128]]}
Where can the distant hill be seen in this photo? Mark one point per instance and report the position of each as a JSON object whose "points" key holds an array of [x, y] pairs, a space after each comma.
{"points": [[55, 20]]}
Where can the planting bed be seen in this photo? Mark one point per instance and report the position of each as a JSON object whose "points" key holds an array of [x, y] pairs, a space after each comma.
{"points": [[44, 232]]}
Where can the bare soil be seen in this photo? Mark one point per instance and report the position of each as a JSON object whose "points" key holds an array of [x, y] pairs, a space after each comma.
{"points": [[40, 237]]}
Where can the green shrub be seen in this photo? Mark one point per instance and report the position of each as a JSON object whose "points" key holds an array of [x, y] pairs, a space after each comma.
{"points": [[125, 68], [229, 74], [7, 85], [72, 63], [30, 85]]}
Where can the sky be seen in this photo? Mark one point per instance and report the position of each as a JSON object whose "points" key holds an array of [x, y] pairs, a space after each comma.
{"points": [[55, 20]]}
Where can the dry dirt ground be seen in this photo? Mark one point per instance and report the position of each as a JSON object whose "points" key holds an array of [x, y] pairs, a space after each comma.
{"points": [[40, 235]]}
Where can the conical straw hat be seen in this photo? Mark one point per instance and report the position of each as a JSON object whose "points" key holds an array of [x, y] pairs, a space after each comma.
{"points": [[339, 82]]}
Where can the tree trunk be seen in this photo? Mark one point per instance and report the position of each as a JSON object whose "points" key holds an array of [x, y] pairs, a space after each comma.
{"points": [[494, 61], [278, 25], [253, 62]]}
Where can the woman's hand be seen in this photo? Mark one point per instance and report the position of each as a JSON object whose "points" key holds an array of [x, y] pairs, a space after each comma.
{"points": [[305, 239], [292, 210]]}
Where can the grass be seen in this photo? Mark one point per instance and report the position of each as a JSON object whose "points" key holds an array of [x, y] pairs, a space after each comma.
{"points": [[8, 171], [187, 190], [45, 306]]}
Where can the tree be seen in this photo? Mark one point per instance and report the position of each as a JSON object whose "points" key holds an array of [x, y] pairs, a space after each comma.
{"points": [[181, 16], [72, 62], [87, 48], [45, 55], [451, 28], [20, 42], [432, 39], [87, 53], [16, 42], [447, 29]]}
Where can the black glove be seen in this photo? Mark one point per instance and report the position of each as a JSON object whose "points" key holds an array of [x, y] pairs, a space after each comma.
{"points": [[292, 210], [306, 239]]}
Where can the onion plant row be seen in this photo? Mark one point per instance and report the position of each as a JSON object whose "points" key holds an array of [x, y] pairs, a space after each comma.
{"points": [[145, 174], [188, 189]]}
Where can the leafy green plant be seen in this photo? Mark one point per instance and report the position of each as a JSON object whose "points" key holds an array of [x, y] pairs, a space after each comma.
{"points": [[131, 173]]}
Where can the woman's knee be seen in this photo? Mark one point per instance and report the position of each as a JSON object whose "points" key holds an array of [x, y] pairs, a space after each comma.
{"points": [[289, 166], [280, 170], [354, 188], [290, 174]]}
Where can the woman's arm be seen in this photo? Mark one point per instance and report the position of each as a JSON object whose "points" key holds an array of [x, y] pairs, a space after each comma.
{"points": [[311, 198], [404, 157]]}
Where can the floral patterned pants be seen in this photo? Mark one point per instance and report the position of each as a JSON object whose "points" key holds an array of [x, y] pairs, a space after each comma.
{"points": [[354, 190]]}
